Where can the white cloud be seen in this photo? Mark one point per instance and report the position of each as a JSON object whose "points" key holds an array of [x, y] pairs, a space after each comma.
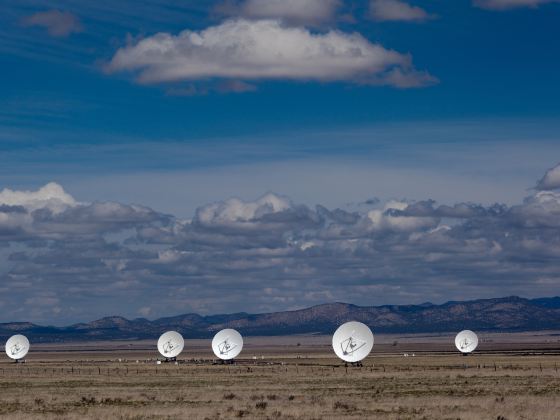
{"points": [[539, 210], [396, 10], [52, 212], [382, 219], [550, 180], [252, 50], [235, 211], [56, 22], [294, 11], [51, 196], [510, 4], [145, 311]]}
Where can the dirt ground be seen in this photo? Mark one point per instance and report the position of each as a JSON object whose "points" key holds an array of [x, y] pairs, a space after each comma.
{"points": [[298, 377]]}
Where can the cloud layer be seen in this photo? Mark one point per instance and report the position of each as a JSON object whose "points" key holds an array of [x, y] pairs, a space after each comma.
{"points": [[550, 180], [64, 260], [265, 49]]}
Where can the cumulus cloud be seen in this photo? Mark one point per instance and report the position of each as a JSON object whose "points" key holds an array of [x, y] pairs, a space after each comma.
{"points": [[51, 196], [292, 11], [550, 180], [387, 218], [94, 259], [50, 212], [540, 210], [255, 50], [510, 4], [396, 10], [56, 22], [236, 211]]}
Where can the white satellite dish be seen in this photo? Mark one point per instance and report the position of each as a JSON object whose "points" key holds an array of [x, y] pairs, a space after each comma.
{"points": [[352, 341], [170, 344], [466, 341], [227, 344], [17, 347]]}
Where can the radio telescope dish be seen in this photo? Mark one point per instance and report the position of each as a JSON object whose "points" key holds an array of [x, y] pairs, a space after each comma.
{"points": [[17, 347], [352, 341], [227, 344], [466, 341], [170, 344]]}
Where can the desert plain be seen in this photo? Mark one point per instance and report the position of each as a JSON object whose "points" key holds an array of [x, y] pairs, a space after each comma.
{"points": [[414, 376]]}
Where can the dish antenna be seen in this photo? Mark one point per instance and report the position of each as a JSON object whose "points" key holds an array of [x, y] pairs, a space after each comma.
{"points": [[466, 341], [170, 345], [17, 347], [227, 344], [352, 342]]}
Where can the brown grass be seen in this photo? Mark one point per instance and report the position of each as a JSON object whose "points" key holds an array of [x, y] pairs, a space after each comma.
{"points": [[428, 386]]}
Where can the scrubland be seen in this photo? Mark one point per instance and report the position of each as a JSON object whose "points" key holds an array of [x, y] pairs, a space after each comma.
{"points": [[289, 383]]}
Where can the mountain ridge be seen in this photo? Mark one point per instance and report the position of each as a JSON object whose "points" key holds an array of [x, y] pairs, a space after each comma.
{"points": [[510, 313]]}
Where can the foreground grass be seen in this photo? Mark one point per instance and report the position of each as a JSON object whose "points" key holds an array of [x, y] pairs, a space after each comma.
{"points": [[388, 387]]}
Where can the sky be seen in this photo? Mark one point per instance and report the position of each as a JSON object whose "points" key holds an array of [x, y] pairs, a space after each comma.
{"points": [[166, 157]]}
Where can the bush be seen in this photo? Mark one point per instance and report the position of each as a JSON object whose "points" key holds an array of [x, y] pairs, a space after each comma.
{"points": [[261, 405]]}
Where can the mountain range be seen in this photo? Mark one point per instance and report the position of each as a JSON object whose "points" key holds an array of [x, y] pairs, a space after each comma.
{"points": [[501, 314]]}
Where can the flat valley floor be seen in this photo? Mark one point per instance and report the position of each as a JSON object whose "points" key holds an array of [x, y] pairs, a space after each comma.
{"points": [[511, 376]]}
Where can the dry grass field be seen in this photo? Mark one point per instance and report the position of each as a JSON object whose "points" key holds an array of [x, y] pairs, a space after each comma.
{"points": [[291, 378]]}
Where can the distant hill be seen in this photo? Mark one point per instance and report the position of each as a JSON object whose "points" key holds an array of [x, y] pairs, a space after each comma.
{"points": [[503, 314]]}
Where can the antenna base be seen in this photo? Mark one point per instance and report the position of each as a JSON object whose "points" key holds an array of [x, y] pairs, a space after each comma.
{"points": [[224, 362], [354, 364]]}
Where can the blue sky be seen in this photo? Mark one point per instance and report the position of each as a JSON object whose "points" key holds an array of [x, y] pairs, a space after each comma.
{"points": [[496, 68], [451, 101]]}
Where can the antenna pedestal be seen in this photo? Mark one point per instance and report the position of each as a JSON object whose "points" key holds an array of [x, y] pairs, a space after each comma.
{"points": [[224, 362], [354, 364]]}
